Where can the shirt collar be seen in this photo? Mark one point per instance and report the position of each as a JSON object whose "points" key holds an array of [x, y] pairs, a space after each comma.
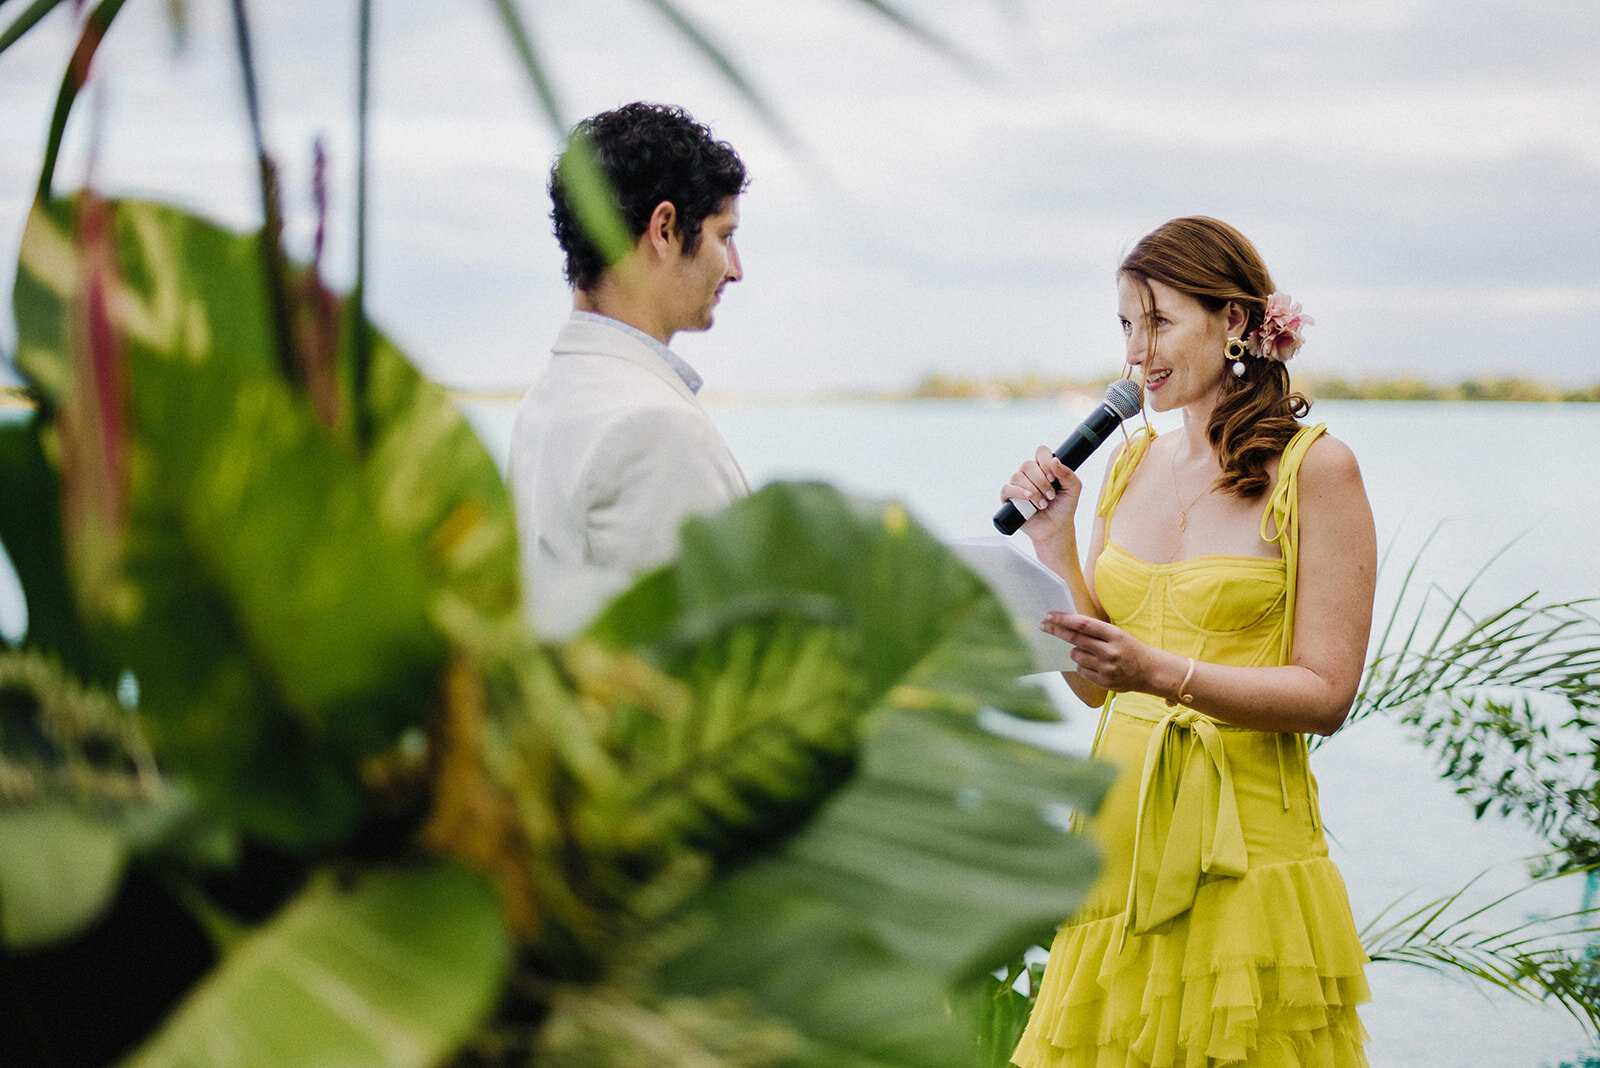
{"points": [[679, 365]]}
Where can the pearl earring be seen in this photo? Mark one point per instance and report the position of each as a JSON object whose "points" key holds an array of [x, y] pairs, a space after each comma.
{"points": [[1237, 351]]}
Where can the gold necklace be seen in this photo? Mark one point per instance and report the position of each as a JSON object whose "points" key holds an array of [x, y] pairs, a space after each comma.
{"points": [[1183, 509]]}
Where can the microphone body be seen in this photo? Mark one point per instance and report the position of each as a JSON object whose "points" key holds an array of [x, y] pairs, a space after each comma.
{"points": [[1123, 398]]}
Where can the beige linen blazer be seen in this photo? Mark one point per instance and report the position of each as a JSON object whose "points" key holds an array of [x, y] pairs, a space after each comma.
{"points": [[610, 453]]}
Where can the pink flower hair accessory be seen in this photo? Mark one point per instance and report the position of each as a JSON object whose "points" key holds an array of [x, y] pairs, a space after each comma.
{"points": [[1278, 336]]}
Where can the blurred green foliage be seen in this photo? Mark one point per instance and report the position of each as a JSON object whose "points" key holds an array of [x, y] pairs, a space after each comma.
{"points": [[278, 749]]}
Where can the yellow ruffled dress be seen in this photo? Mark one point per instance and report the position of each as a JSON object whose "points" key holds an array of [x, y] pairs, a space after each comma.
{"points": [[1219, 932]]}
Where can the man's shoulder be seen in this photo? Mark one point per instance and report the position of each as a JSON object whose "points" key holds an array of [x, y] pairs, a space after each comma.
{"points": [[589, 396], [586, 351], [573, 380], [588, 336]]}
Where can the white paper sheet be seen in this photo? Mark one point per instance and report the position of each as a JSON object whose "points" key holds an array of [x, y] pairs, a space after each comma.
{"points": [[1027, 588]]}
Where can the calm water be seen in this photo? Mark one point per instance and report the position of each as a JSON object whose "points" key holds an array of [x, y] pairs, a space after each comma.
{"points": [[1477, 477], [1483, 476]]}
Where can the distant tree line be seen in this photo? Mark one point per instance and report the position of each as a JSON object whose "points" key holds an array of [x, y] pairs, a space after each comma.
{"points": [[1472, 389], [1036, 386], [1042, 387]]}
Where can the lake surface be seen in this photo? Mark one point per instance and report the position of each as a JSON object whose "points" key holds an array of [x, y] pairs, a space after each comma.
{"points": [[1476, 478], [1481, 476]]}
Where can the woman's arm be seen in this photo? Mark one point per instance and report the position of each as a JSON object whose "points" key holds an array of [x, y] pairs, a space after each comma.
{"points": [[1337, 574]]}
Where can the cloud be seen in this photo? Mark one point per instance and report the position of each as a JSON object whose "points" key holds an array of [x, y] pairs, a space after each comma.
{"points": [[1424, 174]]}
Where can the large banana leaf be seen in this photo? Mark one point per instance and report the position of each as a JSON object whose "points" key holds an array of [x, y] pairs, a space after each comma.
{"points": [[941, 858], [385, 968], [790, 617], [58, 871], [30, 530], [836, 658], [921, 619], [80, 797], [769, 728], [276, 591], [437, 487]]}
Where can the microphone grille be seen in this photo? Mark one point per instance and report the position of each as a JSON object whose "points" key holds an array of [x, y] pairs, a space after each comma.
{"points": [[1125, 397]]}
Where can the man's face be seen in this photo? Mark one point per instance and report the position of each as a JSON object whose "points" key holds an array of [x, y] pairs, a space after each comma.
{"points": [[697, 279]]}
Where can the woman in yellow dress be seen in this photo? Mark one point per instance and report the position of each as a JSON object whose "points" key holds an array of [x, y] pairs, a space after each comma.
{"points": [[1224, 609]]}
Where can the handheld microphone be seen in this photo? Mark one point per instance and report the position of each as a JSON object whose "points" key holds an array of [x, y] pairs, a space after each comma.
{"points": [[1123, 398]]}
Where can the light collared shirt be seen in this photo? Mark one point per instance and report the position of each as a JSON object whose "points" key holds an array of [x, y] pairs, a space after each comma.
{"points": [[679, 365]]}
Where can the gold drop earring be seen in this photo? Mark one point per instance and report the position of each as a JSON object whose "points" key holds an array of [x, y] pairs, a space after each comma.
{"points": [[1237, 351]]}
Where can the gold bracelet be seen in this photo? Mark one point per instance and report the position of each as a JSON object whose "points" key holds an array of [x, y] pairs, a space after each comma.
{"points": [[1183, 688]]}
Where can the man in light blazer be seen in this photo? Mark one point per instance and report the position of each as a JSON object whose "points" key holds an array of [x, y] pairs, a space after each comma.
{"points": [[610, 450]]}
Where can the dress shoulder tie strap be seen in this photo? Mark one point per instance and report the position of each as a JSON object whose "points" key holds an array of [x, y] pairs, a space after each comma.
{"points": [[1280, 523], [1122, 470]]}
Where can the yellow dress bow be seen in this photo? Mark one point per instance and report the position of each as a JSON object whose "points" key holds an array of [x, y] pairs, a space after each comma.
{"points": [[1187, 823]]}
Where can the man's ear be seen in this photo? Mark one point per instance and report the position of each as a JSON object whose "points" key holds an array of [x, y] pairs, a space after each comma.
{"points": [[661, 232]]}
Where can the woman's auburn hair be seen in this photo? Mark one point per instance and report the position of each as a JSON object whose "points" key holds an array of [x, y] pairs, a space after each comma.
{"points": [[1258, 413]]}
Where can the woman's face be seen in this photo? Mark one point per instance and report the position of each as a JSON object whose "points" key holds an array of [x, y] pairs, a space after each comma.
{"points": [[1178, 346]]}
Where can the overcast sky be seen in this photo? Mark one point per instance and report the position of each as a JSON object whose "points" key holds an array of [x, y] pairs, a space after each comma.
{"points": [[1424, 175]]}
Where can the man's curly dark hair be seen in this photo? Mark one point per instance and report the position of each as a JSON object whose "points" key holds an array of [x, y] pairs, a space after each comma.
{"points": [[649, 153]]}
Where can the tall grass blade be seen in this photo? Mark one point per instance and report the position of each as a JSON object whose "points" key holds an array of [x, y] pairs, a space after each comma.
{"points": [[723, 64], [178, 23], [361, 336], [532, 65], [276, 271], [1394, 618], [586, 183], [94, 31], [26, 21], [924, 36], [592, 201]]}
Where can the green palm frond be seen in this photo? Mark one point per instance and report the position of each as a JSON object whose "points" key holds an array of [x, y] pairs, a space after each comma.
{"points": [[1540, 959], [1531, 646], [1507, 701], [768, 726], [580, 171]]}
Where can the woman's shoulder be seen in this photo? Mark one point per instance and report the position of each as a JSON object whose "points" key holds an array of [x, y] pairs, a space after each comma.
{"points": [[1328, 462]]}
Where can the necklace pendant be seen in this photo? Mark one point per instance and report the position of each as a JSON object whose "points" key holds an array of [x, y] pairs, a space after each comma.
{"points": [[1183, 521]]}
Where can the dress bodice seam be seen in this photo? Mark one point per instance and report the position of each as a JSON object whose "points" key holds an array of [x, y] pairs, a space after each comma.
{"points": [[1201, 560]]}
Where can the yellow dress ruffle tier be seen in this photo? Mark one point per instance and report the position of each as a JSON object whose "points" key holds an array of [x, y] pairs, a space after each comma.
{"points": [[1218, 932]]}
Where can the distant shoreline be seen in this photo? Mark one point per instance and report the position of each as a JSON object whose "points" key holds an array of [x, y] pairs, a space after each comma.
{"points": [[1066, 391], [1036, 387], [1081, 391]]}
